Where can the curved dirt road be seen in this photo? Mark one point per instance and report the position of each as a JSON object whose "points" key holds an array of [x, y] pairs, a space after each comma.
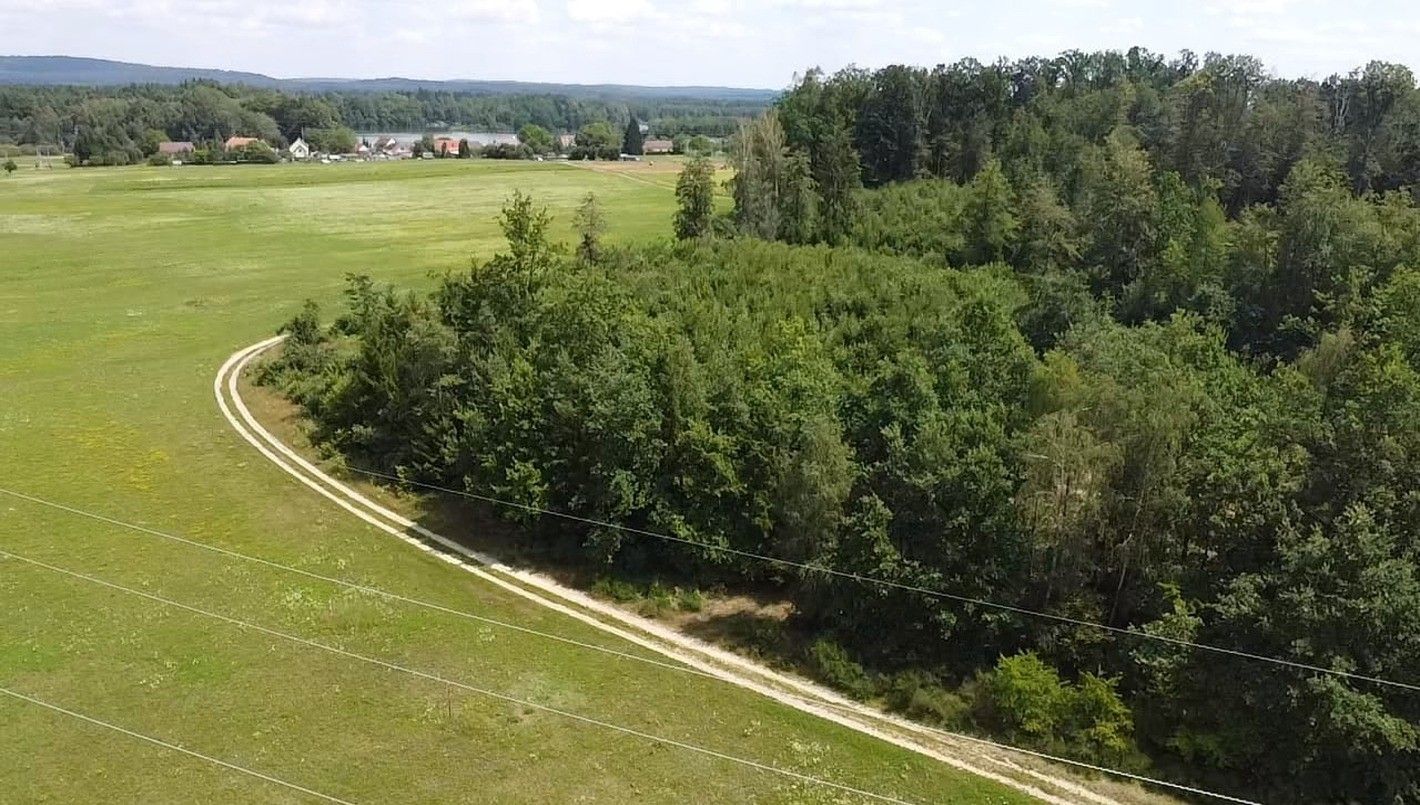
{"points": [[962, 752]]}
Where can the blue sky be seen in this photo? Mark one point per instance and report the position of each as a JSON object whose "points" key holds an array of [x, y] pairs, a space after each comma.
{"points": [[759, 43]]}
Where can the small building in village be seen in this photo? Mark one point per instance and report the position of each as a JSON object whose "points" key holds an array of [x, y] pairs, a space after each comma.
{"points": [[233, 143], [300, 149], [657, 147], [176, 149]]}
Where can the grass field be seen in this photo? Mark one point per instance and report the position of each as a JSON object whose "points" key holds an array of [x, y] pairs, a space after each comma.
{"points": [[121, 291]]}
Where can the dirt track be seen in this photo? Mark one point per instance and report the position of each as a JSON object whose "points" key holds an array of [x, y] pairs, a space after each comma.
{"points": [[1029, 776]]}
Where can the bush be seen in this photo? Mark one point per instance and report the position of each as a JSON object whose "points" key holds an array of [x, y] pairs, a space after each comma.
{"points": [[689, 600], [621, 592], [1023, 697], [159, 160], [1098, 723], [918, 695], [258, 152], [608, 153], [507, 151], [653, 601], [831, 663], [114, 157], [303, 369]]}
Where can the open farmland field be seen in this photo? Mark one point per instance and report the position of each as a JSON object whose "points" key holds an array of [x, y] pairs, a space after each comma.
{"points": [[121, 292]]}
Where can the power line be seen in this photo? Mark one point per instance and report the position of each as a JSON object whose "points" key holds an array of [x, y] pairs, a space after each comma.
{"points": [[171, 746], [353, 585], [857, 577], [1090, 766], [390, 666], [590, 646], [242, 357], [558, 638]]}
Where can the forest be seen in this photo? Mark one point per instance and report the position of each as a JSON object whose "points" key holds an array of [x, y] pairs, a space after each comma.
{"points": [[1125, 341], [115, 125]]}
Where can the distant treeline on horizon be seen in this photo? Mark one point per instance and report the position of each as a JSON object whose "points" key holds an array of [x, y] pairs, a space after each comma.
{"points": [[99, 122], [945, 120]]}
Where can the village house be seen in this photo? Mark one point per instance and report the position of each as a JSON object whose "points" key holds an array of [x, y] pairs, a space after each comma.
{"points": [[386, 145], [233, 143], [180, 148], [300, 149], [565, 141], [657, 147], [447, 146]]}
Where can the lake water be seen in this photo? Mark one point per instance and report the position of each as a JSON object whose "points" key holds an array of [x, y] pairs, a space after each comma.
{"points": [[473, 137]]}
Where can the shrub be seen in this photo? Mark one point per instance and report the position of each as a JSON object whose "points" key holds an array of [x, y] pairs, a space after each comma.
{"points": [[507, 151], [831, 663], [608, 153], [303, 370], [689, 600], [304, 327], [617, 590], [1098, 723], [918, 695], [159, 160], [258, 152], [652, 601], [1023, 697]]}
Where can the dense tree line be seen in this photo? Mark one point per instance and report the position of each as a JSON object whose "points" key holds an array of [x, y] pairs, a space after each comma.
{"points": [[1223, 120], [889, 417], [1264, 205], [117, 125], [1203, 253], [1034, 347]]}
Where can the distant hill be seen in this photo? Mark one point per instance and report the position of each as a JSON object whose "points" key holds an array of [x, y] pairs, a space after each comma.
{"points": [[52, 70], [72, 70]]}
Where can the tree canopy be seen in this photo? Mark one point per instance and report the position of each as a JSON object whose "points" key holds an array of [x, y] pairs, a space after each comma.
{"points": [[1121, 340]]}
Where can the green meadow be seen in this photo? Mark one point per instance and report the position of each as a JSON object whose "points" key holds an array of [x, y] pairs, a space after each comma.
{"points": [[121, 292]]}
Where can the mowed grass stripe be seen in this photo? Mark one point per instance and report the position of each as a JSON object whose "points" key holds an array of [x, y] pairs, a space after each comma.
{"points": [[121, 291]]}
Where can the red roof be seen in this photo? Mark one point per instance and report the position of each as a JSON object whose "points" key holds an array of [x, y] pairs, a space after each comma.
{"points": [[179, 147], [238, 142]]}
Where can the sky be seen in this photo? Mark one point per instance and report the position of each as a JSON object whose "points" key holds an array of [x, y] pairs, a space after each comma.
{"points": [[746, 43]]}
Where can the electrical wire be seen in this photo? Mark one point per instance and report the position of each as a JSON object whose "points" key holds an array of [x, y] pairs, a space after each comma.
{"points": [[873, 580], [171, 746], [590, 646], [354, 585], [390, 666]]}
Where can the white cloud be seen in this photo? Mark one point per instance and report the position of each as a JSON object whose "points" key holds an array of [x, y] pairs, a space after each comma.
{"points": [[609, 12], [741, 42]]}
